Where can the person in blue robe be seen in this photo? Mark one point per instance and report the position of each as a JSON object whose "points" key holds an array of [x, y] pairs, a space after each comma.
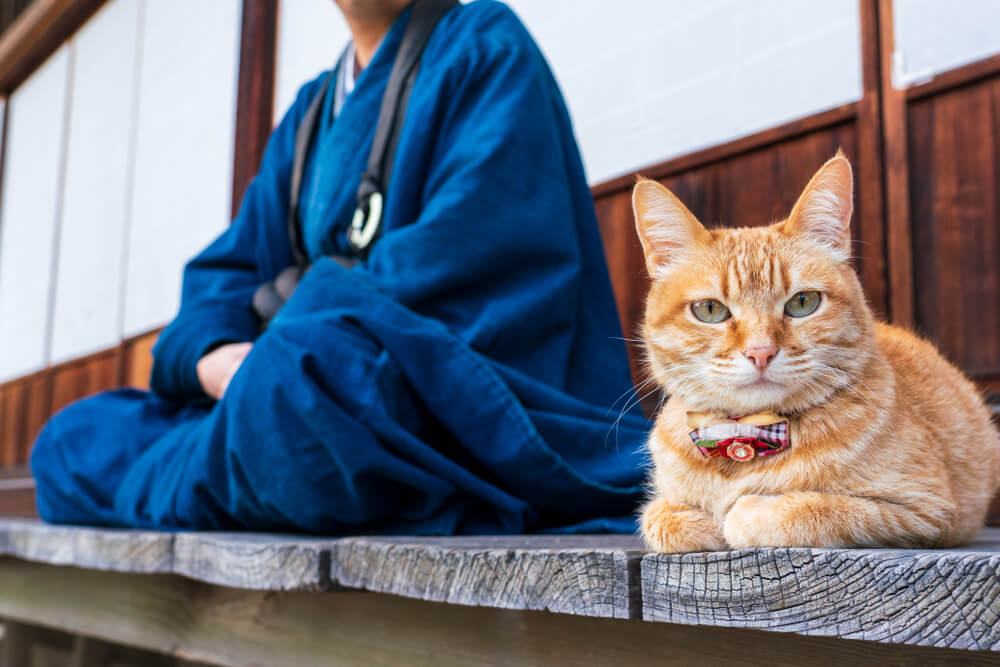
{"points": [[463, 379]]}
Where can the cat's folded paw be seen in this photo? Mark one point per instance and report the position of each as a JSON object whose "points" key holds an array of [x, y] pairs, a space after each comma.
{"points": [[670, 528], [754, 521]]}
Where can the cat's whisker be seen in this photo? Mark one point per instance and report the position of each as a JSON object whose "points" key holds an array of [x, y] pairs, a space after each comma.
{"points": [[631, 392]]}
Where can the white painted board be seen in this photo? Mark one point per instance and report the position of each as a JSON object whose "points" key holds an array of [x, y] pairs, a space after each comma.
{"points": [[311, 36], [87, 310], [647, 81], [934, 36], [184, 149], [30, 205]]}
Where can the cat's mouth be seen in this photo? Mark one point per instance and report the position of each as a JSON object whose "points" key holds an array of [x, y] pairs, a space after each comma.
{"points": [[763, 382]]}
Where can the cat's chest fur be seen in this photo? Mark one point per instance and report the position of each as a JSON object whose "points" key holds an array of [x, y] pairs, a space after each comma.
{"points": [[831, 450]]}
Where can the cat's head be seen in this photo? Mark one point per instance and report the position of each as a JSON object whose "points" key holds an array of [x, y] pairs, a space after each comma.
{"points": [[764, 318]]}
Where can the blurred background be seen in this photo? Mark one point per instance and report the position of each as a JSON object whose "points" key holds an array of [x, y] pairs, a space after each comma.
{"points": [[132, 127]]}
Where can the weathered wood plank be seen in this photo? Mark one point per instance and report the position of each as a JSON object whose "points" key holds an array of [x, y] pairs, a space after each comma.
{"points": [[93, 548], [586, 575], [924, 598], [928, 598], [217, 625], [582, 575], [254, 561]]}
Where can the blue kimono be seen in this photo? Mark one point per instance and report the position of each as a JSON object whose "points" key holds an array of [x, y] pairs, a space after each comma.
{"points": [[460, 380]]}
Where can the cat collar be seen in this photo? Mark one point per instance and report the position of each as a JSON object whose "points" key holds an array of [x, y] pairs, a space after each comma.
{"points": [[738, 438]]}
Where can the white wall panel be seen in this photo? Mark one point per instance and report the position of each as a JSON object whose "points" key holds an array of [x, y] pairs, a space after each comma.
{"points": [[933, 36], [311, 35], [184, 148], [31, 180], [646, 81], [89, 274]]}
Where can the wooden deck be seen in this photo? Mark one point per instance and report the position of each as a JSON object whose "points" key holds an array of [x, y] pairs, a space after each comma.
{"points": [[243, 599]]}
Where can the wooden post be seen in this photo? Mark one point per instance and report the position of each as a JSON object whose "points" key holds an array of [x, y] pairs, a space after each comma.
{"points": [[255, 92], [15, 649], [897, 190], [89, 652], [871, 203]]}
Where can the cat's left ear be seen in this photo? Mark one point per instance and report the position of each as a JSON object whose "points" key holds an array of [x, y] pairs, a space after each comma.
{"points": [[667, 230], [823, 211]]}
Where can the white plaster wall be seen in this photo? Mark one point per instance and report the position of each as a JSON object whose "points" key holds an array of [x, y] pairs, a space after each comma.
{"points": [[311, 36], [933, 36], [28, 217], [184, 149], [87, 311], [646, 80]]}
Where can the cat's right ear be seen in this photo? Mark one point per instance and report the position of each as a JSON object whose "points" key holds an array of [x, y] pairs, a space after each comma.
{"points": [[667, 229]]}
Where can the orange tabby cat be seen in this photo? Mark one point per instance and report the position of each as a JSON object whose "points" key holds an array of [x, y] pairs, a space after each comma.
{"points": [[887, 443]]}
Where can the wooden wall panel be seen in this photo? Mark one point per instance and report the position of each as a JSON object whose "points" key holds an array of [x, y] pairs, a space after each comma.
{"points": [[954, 172], [78, 379], [17, 492], [137, 360], [24, 408]]}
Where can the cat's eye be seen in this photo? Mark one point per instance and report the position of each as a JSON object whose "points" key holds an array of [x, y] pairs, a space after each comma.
{"points": [[802, 304], [710, 311]]}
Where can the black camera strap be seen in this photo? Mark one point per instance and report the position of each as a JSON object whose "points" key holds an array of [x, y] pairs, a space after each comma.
{"points": [[366, 226]]}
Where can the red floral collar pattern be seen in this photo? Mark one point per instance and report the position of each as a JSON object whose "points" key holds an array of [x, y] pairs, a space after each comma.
{"points": [[738, 438]]}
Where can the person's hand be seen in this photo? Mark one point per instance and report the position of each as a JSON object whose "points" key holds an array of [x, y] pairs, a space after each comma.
{"points": [[218, 367]]}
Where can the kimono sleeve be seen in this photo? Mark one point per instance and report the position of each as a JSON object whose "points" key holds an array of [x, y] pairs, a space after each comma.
{"points": [[218, 284]]}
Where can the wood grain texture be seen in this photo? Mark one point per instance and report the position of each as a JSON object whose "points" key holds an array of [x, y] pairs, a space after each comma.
{"points": [[17, 492], [137, 360], [924, 598], [953, 78], [254, 561], [255, 92], [36, 33], [627, 270], [93, 548], [224, 626], [897, 189], [955, 174], [84, 377], [945, 598], [868, 165], [586, 575], [24, 408]]}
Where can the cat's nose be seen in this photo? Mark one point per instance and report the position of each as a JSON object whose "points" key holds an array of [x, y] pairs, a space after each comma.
{"points": [[761, 354]]}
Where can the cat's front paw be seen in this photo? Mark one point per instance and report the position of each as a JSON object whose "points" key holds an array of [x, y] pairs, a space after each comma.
{"points": [[754, 521], [670, 528]]}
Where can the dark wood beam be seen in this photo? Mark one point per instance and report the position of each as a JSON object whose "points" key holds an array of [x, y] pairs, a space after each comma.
{"points": [[255, 92], [897, 189], [36, 34], [226, 626], [954, 78], [870, 182]]}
